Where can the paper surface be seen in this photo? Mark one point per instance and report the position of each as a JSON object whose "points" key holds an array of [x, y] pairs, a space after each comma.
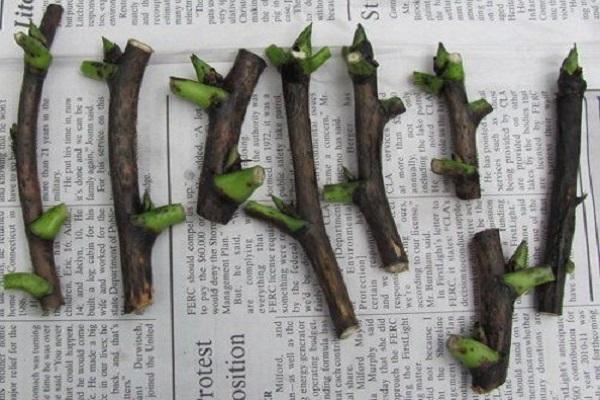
{"points": [[238, 313]]}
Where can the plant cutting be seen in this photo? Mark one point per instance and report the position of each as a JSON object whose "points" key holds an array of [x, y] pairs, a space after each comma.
{"points": [[224, 184], [487, 354], [367, 190], [564, 199], [449, 83], [304, 219], [139, 222], [41, 228]]}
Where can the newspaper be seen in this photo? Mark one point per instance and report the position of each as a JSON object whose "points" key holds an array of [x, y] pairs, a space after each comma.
{"points": [[238, 313]]}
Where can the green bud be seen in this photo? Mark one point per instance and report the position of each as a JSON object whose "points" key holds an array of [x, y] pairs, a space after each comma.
{"points": [[158, 219], [33, 284], [471, 353], [202, 95], [47, 225], [273, 215]]}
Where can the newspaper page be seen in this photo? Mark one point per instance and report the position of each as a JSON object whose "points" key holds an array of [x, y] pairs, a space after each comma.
{"points": [[180, 26], [238, 313]]}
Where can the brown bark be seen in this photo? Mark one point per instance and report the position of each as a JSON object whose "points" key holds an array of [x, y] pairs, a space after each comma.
{"points": [[225, 122], [564, 199], [463, 125], [313, 238], [135, 242], [495, 309], [370, 120], [25, 148]]}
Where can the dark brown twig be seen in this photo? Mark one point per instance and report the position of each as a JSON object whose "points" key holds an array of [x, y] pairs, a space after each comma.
{"points": [[564, 199], [36, 45], [224, 185], [138, 222], [500, 284], [465, 117], [495, 309], [304, 221], [367, 191]]}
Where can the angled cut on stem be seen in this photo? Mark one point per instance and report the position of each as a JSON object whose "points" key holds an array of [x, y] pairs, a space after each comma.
{"points": [[139, 222], [564, 199], [304, 220], [367, 190], [41, 228], [224, 184], [465, 116], [487, 355]]}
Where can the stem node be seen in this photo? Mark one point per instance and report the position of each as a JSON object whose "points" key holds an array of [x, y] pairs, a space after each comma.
{"points": [[393, 107], [301, 54], [37, 55], [480, 109]]}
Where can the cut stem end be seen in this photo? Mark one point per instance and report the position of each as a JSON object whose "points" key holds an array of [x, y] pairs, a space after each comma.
{"points": [[397, 268], [239, 185], [349, 332]]}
